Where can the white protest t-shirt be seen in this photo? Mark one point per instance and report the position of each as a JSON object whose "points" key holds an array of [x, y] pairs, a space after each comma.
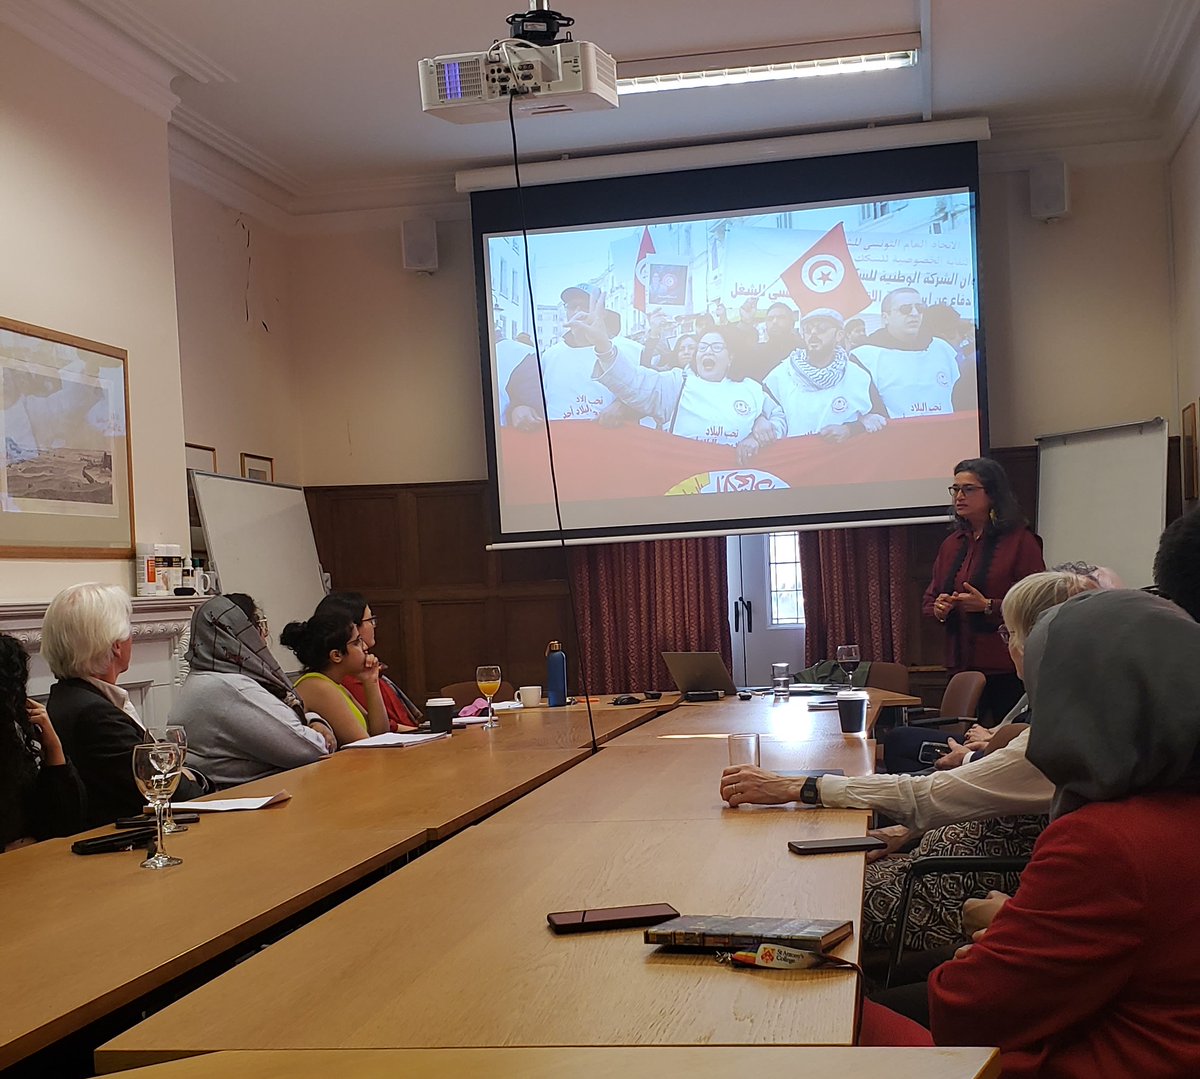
{"points": [[913, 382], [571, 392], [809, 409], [722, 412]]}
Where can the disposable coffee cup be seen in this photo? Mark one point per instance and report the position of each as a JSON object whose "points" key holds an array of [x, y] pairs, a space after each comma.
{"points": [[530, 696], [852, 711], [440, 713]]}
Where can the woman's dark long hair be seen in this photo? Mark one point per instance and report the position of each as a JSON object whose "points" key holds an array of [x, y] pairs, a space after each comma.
{"points": [[1005, 516], [16, 758]]}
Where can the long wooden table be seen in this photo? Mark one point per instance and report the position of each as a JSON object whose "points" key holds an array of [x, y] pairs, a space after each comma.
{"points": [[454, 950], [641, 1062], [97, 933]]}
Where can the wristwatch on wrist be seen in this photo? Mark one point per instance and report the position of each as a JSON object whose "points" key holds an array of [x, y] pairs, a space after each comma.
{"points": [[810, 793]]}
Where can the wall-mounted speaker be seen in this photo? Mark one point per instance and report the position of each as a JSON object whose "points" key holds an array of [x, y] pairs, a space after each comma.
{"points": [[418, 241], [1049, 190]]}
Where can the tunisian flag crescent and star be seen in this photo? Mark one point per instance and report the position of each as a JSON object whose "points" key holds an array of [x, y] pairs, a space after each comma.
{"points": [[640, 267], [825, 276]]}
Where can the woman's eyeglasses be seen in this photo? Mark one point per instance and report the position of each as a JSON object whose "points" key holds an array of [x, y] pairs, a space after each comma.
{"points": [[963, 489], [369, 621], [261, 624]]}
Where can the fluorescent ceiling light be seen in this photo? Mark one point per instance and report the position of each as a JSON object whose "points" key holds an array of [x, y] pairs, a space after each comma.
{"points": [[881, 52]]}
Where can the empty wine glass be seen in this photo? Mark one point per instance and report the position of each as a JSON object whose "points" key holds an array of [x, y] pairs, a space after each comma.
{"points": [[848, 659], [157, 767], [178, 736], [488, 679]]}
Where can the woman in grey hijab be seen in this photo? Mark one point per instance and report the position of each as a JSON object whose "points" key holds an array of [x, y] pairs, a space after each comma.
{"points": [[243, 719], [1093, 967]]}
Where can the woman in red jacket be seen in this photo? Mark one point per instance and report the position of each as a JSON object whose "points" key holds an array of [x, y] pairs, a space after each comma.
{"points": [[1093, 968], [990, 549]]}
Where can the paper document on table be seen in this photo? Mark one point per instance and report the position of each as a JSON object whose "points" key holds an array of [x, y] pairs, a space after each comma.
{"points": [[506, 706], [225, 805], [393, 738]]}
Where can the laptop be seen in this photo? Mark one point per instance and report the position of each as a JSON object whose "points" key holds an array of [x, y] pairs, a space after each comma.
{"points": [[694, 671]]}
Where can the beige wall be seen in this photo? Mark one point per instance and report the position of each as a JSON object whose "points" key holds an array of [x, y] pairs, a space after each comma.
{"points": [[1078, 311], [239, 387], [387, 361], [86, 219], [1185, 228]]}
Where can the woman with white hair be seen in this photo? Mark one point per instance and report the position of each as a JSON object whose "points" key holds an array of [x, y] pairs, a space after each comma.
{"points": [[87, 639]]}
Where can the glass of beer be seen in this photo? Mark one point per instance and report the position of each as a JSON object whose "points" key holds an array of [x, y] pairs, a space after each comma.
{"points": [[488, 679]]}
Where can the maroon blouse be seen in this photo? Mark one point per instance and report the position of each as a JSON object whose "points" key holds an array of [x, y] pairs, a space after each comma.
{"points": [[972, 643]]}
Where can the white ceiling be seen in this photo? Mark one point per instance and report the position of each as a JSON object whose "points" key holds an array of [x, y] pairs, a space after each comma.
{"points": [[322, 95]]}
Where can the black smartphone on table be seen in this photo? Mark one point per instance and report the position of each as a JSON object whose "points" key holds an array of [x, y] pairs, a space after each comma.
{"points": [[586, 921], [857, 844], [130, 839], [932, 751]]}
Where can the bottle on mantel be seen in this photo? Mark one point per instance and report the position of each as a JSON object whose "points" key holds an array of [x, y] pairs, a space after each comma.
{"points": [[556, 675]]}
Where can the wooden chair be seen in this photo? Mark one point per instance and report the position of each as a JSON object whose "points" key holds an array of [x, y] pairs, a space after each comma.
{"points": [[466, 692], [890, 676], [959, 702]]}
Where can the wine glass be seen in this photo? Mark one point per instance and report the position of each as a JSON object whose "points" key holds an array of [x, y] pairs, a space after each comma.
{"points": [[848, 659], [488, 679], [157, 767], [178, 736]]}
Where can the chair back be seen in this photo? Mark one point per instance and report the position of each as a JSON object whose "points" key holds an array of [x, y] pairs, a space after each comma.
{"points": [[466, 692], [890, 676], [962, 695]]}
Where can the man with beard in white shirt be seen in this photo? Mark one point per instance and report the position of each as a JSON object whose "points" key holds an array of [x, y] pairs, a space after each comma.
{"points": [[913, 371], [821, 388], [572, 392]]}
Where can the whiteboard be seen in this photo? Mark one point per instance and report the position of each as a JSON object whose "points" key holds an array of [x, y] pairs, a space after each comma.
{"points": [[1102, 497], [260, 541]]}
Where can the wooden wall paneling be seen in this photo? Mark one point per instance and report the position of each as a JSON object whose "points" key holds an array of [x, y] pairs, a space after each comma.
{"points": [[1021, 464], [534, 564], [451, 534], [360, 538], [456, 640], [529, 624]]}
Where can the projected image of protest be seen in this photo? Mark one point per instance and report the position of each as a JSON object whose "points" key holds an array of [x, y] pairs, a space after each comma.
{"points": [[804, 346]]}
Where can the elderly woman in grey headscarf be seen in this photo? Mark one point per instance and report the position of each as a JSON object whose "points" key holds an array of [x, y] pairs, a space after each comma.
{"points": [[1093, 967], [243, 719]]}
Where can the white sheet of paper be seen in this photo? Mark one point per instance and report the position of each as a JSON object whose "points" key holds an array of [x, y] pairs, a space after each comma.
{"points": [[225, 805], [393, 738], [506, 706]]}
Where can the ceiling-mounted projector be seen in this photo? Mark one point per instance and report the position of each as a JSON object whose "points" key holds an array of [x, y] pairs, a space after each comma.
{"points": [[543, 77]]}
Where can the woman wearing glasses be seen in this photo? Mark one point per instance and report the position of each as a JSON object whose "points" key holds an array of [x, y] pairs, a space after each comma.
{"points": [[331, 649], [402, 713], [989, 549]]}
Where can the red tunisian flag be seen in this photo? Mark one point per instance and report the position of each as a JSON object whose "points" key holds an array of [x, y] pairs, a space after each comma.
{"points": [[825, 276], [641, 269]]}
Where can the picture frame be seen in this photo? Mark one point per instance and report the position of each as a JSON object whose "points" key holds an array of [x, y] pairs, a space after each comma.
{"points": [[1191, 456], [66, 463], [201, 458], [257, 467]]}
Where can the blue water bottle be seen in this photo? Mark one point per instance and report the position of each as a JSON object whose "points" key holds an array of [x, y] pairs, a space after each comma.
{"points": [[556, 675]]}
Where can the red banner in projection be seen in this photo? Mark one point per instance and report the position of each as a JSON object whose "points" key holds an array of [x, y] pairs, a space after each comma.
{"points": [[597, 463]]}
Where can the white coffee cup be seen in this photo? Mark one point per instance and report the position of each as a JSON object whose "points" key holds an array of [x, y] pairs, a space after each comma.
{"points": [[205, 582], [530, 696]]}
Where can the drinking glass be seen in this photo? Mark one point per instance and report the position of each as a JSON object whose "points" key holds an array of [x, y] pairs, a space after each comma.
{"points": [[488, 679], [781, 680], [178, 736], [848, 659], [157, 767], [744, 749]]}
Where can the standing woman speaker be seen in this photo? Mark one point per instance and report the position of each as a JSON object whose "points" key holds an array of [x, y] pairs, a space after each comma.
{"points": [[989, 550]]}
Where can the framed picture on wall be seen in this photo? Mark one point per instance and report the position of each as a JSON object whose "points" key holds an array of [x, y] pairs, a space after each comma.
{"points": [[258, 468], [66, 473], [1191, 465]]}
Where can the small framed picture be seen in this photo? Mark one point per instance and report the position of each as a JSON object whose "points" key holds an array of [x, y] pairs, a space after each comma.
{"points": [[258, 468], [1191, 465], [201, 458]]}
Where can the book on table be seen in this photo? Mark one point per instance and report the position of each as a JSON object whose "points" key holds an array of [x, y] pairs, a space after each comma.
{"points": [[718, 931]]}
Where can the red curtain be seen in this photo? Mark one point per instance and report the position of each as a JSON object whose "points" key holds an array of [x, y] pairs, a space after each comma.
{"points": [[635, 600], [854, 592]]}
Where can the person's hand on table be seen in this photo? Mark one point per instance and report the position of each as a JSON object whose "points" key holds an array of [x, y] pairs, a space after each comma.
{"points": [[895, 836], [970, 599], [952, 759], [978, 914], [743, 784]]}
